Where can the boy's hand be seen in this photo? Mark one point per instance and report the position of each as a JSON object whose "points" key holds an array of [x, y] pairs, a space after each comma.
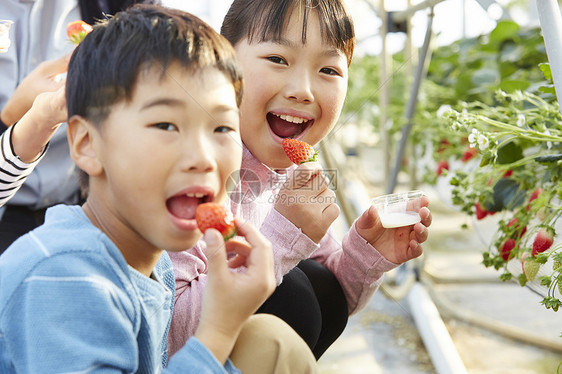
{"points": [[397, 245], [232, 296], [306, 200], [42, 79]]}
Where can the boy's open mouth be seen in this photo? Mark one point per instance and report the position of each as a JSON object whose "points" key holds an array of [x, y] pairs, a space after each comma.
{"points": [[285, 126], [184, 206]]}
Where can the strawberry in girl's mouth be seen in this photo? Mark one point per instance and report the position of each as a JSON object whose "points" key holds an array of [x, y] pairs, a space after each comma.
{"points": [[286, 126]]}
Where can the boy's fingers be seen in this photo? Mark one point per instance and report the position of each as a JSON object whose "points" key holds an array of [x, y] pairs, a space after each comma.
{"points": [[250, 233], [215, 251]]}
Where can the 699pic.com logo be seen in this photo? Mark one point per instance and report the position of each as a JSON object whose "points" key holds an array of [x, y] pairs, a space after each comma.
{"points": [[243, 186]]}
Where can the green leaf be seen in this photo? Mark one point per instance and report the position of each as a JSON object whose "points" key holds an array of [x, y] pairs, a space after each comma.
{"points": [[514, 85], [545, 68], [485, 76], [522, 279], [504, 30], [549, 89], [506, 195], [509, 153]]}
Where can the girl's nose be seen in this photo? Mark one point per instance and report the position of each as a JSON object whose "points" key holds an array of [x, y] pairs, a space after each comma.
{"points": [[300, 89]]}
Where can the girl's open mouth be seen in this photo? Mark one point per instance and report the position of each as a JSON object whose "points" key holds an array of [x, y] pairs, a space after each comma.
{"points": [[285, 126]]}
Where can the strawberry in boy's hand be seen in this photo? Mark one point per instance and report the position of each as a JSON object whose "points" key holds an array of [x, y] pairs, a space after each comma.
{"points": [[215, 216], [298, 151], [77, 31]]}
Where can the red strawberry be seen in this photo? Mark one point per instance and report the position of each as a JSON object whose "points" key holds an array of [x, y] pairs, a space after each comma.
{"points": [[469, 154], [507, 174], [443, 145], [534, 195], [213, 215], [543, 241], [480, 211], [77, 31], [299, 152], [515, 222], [442, 165], [506, 248]]}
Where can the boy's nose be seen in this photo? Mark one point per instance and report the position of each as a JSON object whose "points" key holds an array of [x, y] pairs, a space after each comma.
{"points": [[197, 155]]}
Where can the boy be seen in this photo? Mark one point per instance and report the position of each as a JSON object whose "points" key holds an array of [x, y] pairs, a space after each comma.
{"points": [[152, 97]]}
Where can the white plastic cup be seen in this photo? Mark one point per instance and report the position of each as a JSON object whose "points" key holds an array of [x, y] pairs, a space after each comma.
{"points": [[399, 209], [5, 35]]}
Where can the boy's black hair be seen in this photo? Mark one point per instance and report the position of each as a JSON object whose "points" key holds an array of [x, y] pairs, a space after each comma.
{"points": [[265, 20], [104, 68]]}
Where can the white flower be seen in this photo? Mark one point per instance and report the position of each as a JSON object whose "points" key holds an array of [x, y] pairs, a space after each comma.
{"points": [[456, 126], [443, 109], [521, 120], [548, 144], [483, 142], [473, 137]]}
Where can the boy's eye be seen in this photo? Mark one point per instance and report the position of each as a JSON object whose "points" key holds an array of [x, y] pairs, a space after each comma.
{"points": [[276, 59], [223, 129], [166, 126], [329, 71]]}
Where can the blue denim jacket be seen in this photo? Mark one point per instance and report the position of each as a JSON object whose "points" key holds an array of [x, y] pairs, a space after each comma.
{"points": [[69, 302]]}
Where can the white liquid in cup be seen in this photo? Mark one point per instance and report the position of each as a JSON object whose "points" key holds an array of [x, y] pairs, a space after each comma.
{"points": [[399, 209], [399, 219]]}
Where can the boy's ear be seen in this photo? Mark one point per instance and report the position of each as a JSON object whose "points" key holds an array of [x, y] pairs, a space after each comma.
{"points": [[81, 137]]}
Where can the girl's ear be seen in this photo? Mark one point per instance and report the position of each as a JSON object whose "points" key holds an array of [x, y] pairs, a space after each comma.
{"points": [[81, 138]]}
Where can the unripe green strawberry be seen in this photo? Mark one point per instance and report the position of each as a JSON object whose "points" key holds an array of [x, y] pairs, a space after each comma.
{"points": [[298, 151], [213, 215], [530, 267]]}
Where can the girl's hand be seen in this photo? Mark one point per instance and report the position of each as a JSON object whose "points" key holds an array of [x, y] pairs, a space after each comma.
{"points": [[307, 201], [397, 245]]}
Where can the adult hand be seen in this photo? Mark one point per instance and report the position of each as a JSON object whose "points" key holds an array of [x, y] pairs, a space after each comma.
{"points": [[44, 78]]}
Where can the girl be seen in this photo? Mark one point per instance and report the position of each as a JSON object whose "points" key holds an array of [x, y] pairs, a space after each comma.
{"points": [[295, 55]]}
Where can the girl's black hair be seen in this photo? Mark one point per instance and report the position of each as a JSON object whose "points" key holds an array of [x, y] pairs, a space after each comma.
{"points": [[265, 20]]}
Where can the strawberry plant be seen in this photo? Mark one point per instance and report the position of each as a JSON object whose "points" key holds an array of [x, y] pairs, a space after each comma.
{"points": [[489, 126]]}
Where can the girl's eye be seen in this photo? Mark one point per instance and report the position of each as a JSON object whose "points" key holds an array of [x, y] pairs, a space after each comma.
{"points": [[223, 129], [166, 126], [276, 60], [329, 71]]}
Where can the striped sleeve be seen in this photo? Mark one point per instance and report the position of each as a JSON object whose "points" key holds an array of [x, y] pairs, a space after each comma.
{"points": [[13, 171]]}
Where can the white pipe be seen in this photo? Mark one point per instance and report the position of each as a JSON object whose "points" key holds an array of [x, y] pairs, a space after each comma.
{"points": [[433, 331], [551, 25], [403, 14]]}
